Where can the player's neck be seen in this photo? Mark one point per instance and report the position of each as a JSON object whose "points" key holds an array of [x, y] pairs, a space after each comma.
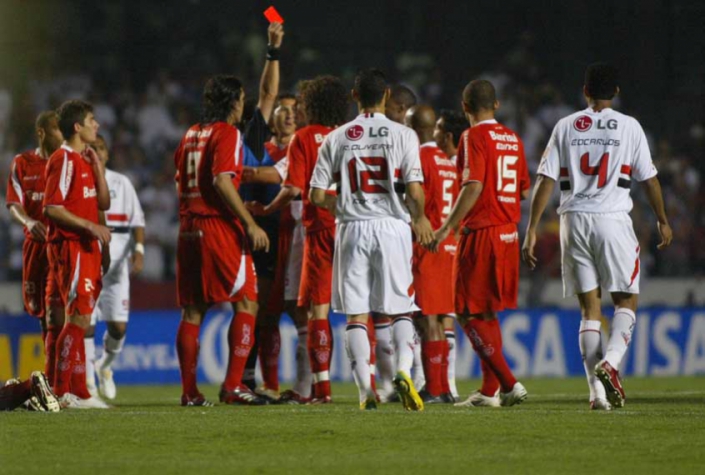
{"points": [[282, 141], [378, 109], [425, 137], [76, 144], [43, 153], [450, 150], [480, 117], [599, 104]]}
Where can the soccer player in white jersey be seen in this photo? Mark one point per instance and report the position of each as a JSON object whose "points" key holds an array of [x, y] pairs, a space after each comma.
{"points": [[125, 219], [375, 164], [594, 154]]}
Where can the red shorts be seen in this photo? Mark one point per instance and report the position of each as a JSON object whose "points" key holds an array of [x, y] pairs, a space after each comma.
{"points": [[34, 276], [75, 274], [433, 278], [487, 270], [213, 262], [317, 273], [286, 232]]}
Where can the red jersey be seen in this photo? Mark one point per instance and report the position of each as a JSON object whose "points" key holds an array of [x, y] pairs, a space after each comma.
{"points": [[26, 185], [275, 151], [303, 154], [493, 155], [70, 183], [440, 183], [205, 152]]}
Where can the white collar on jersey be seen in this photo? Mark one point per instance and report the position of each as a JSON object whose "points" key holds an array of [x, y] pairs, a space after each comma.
{"points": [[370, 115], [429, 144], [66, 147], [488, 121], [592, 111]]}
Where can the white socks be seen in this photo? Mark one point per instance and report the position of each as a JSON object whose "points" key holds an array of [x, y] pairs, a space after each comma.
{"points": [[89, 343], [111, 348], [385, 357], [302, 386], [452, 352], [404, 337], [590, 340], [357, 345], [620, 336]]}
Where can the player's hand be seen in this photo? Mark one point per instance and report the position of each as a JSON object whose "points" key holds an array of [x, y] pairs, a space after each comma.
{"points": [[137, 263], [423, 230], [275, 32], [256, 208], [527, 250], [439, 236], [248, 174], [91, 157], [101, 233], [105, 259], [666, 235], [36, 229], [260, 241]]}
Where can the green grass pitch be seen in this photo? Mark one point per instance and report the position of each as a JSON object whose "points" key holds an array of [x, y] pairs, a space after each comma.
{"points": [[661, 430]]}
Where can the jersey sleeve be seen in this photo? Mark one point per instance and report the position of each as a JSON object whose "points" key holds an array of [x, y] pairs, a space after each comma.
{"points": [[323, 172], [282, 167], [227, 157], [15, 194], [296, 173], [642, 165], [60, 176], [137, 215], [550, 164], [411, 161], [474, 161]]}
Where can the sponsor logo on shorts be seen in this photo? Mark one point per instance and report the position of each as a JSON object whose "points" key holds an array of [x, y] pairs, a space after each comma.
{"points": [[506, 199], [509, 237]]}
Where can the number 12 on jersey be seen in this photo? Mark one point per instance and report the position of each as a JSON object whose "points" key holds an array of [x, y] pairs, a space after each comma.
{"points": [[362, 180]]}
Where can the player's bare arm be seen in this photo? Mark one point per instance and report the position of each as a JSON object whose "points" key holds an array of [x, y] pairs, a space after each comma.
{"points": [[320, 198], [652, 187], [35, 228], [269, 84], [105, 250], [542, 193], [137, 261], [226, 190], [285, 196], [416, 202], [67, 219], [261, 175], [466, 202], [101, 186]]}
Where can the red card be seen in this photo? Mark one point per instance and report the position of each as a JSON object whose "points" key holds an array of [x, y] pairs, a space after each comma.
{"points": [[273, 15]]}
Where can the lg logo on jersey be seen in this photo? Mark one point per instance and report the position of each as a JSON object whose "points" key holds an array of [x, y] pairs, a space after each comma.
{"points": [[356, 132], [584, 123]]}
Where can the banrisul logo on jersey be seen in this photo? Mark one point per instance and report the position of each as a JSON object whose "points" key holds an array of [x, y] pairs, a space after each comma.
{"points": [[582, 123], [355, 132]]}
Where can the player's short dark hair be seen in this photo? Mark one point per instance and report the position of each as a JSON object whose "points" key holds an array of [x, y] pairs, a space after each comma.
{"points": [[283, 97], [455, 123], [601, 81], [370, 86], [219, 94], [326, 101], [45, 118], [70, 113], [479, 95], [403, 96]]}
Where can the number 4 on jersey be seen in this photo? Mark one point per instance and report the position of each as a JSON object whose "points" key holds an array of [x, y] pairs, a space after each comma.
{"points": [[600, 170]]}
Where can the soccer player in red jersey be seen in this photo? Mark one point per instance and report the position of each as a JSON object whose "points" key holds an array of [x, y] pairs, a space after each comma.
{"points": [[25, 192], [326, 102], [75, 192], [214, 263], [433, 272], [495, 179]]}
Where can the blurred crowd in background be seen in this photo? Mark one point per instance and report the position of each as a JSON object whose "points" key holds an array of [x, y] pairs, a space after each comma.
{"points": [[144, 120]]}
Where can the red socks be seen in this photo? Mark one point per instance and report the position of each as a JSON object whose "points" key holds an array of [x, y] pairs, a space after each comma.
{"points": [[490, 383], [445, 386], [14, 395], [319, 351], [52, 336], [187, 349], [372, 336], [269, 347], [432, 362], [67, 346], [78, 373], [486, 339], [241, 337]]}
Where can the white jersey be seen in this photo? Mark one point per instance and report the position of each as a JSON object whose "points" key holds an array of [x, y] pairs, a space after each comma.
{"points": [[124, 214], [296, 206], [594, 155], [371, 159]]}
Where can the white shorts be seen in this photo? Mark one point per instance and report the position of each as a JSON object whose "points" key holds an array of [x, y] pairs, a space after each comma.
{"points": [[114, 300], [599, 250], [292, 277], [372, 268]]}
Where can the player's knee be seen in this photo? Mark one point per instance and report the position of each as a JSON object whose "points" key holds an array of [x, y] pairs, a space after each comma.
{"points": [[246, 306], [90, 332], [117, 330], [625, 300]]}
